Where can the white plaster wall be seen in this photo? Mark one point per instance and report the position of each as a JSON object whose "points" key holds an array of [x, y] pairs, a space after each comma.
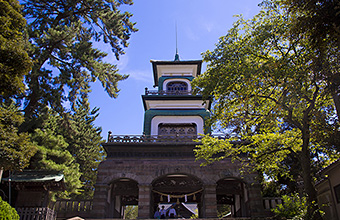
{"points": [[176, 120], [176, 70], [176, 104]]}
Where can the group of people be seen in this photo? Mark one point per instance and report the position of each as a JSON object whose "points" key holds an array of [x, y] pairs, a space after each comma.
{"points": [[162, 214]]}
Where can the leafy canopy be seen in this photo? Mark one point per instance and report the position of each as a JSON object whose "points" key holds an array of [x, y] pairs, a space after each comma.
{"points": [[15, 148], [269, 97], [53, 154], [319, 22], [14, 60], [62, 35]]}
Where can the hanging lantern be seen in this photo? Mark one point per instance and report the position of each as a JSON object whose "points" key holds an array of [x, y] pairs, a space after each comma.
{"points": [[194, 198], [177, 201], [161, 199]]}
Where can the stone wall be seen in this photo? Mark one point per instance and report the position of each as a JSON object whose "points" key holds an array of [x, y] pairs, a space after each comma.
{"points": [[144, 171]]}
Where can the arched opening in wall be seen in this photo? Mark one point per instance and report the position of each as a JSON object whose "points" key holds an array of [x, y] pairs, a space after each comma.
{"points": [[182, 191], [173, 130], [177, 88], [232, 198], [123, 199]]}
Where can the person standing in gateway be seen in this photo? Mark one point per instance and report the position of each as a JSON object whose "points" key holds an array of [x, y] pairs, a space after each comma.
{"points": [[172, 212], [163, 212], [157, 214]]}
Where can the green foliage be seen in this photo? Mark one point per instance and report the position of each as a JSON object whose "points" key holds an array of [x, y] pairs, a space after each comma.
{"points": [[7, 212], [53, 154], [84, 141], [271, 189], [194, 216], [318, 21], [14, 60], [70, 144], [66, 62], [15, 148], [223, 210], [131, 212], [269, 97], [293, 207]]}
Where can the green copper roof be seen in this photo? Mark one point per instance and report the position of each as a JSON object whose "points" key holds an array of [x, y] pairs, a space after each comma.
{"points": [[36, 176]]}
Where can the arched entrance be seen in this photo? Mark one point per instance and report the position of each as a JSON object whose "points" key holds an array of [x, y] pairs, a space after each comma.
{"points": [[181, 190], [123, 192], [232, 198]]}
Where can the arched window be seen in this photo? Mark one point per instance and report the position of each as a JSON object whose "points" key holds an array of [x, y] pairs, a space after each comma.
{"points": [[177, 87]]}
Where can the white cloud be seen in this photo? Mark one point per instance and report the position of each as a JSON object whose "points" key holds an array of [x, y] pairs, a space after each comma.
{"points": [[140, 75], [208, 26], [191, 34], [122, 63]]}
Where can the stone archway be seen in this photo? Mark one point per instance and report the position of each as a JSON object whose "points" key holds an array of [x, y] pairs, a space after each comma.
{"points": [[123, 192], [232, 192], [183, 190]]}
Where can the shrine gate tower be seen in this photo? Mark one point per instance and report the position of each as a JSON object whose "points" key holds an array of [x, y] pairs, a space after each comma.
{"points": [[159, 166]]}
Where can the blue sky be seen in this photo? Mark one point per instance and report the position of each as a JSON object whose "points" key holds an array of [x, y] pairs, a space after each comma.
{"points": [[200, 23]]}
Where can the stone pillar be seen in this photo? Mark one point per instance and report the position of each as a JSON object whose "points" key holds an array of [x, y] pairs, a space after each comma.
{"points": [[210, 202], [255, 200], [144, 202], [100, 201]]}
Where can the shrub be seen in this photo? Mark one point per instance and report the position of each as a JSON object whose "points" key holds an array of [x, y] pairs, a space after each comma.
{"points": [[293, 207], [7, 212]]}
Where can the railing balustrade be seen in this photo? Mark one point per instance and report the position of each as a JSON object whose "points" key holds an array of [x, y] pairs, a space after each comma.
{"points": [[67, 206], [271, 202], [37, 213], [158, 138], [162, 92]]}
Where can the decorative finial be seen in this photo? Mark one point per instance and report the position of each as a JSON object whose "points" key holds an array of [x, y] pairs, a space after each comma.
{"points": [[176, 55]]}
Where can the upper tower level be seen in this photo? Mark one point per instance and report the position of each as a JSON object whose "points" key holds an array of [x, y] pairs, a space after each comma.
{"points": [[167, 73], [173, 108]]}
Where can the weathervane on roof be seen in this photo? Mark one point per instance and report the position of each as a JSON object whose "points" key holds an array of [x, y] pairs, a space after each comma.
{"points": [[176, 55]]}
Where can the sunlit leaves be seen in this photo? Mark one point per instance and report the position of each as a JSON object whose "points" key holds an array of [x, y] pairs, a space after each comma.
{"points": [[14, 60], [269, 95], [16, 148]]}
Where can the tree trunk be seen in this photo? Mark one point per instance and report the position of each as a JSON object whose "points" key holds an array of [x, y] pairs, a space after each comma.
{"points": [[336, 100], [312, 209]]}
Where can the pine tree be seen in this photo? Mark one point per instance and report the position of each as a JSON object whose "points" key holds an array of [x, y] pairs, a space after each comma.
{"points": [[61, 34], [14, 60], [53, 154], [84, 141]]}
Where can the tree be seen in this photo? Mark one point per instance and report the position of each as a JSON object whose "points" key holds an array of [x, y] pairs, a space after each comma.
{"points": [[14, 60], [70, 144], [65, 60], [267, 94], [62, 35], [15, 148], [84, 143], [53, 154], [319, 22]]}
